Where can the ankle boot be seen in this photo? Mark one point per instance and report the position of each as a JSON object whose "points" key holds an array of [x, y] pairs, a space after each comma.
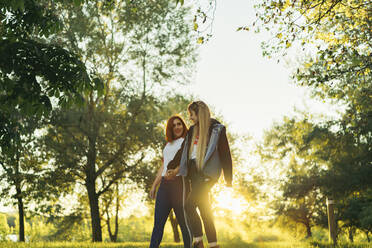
{"points": [[198, 244]]}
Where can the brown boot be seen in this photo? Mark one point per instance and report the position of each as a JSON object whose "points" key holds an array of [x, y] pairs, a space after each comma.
{"points": [[198, 244]]}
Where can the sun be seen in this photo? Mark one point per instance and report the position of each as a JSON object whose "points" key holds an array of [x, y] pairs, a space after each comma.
{"points": [[227, 199]]}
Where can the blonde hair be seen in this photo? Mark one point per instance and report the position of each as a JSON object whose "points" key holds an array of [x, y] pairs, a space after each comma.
{"points": [[202, 129]]}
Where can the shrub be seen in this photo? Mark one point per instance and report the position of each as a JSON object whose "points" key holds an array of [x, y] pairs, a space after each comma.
{"points": [[265, 238]]}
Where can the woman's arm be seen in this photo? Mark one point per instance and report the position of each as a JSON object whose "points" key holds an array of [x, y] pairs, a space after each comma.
{"points": [[156, 182], [225, 156]]}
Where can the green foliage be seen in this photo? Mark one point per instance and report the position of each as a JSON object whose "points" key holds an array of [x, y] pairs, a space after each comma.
{"points": [[34, 70], [73, 227], [134, 48], [319, 163], [265, 238], [131, 49], [355, 212], [20, 166], [29, 62], [335, 155], [305, 21], [301, 197], [136, 229], [4, 228], [180, 2]]}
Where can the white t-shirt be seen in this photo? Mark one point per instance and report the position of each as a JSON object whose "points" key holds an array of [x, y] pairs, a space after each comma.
{"points": [[169, 152]]}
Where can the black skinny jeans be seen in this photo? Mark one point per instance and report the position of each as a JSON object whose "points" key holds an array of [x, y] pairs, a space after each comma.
{"points": [[199, 198], [170, 195]]}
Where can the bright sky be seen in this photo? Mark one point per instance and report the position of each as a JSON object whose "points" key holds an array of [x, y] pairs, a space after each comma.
{"points": [[248, 90]]}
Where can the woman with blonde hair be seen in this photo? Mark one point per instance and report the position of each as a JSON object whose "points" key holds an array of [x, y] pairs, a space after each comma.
{"points": [[171, 193], [204, 154]]}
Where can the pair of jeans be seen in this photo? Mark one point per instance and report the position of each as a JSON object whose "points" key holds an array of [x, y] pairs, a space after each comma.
{"points": [[171, 194], [199, 198]]}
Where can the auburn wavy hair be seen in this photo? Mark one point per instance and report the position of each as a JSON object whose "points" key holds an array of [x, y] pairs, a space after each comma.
{"points": [[169, 135]]}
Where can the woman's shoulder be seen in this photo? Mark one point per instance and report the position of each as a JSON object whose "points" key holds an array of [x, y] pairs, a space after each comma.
{"points": [[178, 141], [216, 123], [165, 145], [174, 142]]}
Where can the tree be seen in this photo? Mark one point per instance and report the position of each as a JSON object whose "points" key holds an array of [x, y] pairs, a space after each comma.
{"points": [[108, 202], [340, 71], [332, 21], [355, 214], [19, 161], [321, 162], [133, 47], [33, 69], [365, 218], [34, 72], [120, 150], [287, 145]]}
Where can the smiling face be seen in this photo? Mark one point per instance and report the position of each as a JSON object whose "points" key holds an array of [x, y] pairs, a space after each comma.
{"points": [[177, 128], [193, 117]]}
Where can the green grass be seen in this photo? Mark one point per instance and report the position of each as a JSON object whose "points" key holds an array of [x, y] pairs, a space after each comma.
{"points": [[239, 244], [348, 245]]}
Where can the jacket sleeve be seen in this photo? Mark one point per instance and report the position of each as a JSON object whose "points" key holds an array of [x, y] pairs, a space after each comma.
{"points": [[177, 158], [225, 156]]}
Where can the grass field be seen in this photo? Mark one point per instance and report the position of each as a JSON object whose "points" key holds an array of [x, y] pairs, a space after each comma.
{"points": [[175, 245]]}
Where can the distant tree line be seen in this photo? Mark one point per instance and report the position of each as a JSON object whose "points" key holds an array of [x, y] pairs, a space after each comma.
{"points": [[322, 158]]}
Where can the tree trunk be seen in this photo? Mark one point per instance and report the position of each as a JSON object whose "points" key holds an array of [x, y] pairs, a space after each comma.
{"points": [[308, 231], [368, 239], [94, 213], [20, 215], [19, 196], [90, 182], [108, 220], [351, 235], [174, 223], [332, 223], [114, 237]]}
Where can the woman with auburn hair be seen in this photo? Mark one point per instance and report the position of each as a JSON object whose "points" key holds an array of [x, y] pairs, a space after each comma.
{"points": [[171, 193], [204, 154]]}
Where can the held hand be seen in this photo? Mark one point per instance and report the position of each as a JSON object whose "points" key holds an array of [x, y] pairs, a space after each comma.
{"points": [[152, 192], [170, 175]]}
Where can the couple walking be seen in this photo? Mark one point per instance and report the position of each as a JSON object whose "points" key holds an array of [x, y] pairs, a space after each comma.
{"points": [[192, 163]]}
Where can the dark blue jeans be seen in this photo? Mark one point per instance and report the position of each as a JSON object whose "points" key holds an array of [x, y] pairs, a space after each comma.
{"points": [[171, 194]]}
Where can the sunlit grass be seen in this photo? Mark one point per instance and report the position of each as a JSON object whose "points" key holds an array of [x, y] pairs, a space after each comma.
{"points": [[233, 244]]}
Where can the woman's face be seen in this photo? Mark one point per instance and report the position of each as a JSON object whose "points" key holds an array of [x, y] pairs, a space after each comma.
{"points": [[193, 117], [177, 128]]}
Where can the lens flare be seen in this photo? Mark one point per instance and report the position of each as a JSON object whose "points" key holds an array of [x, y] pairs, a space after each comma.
{"points": [[227, 199]]}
